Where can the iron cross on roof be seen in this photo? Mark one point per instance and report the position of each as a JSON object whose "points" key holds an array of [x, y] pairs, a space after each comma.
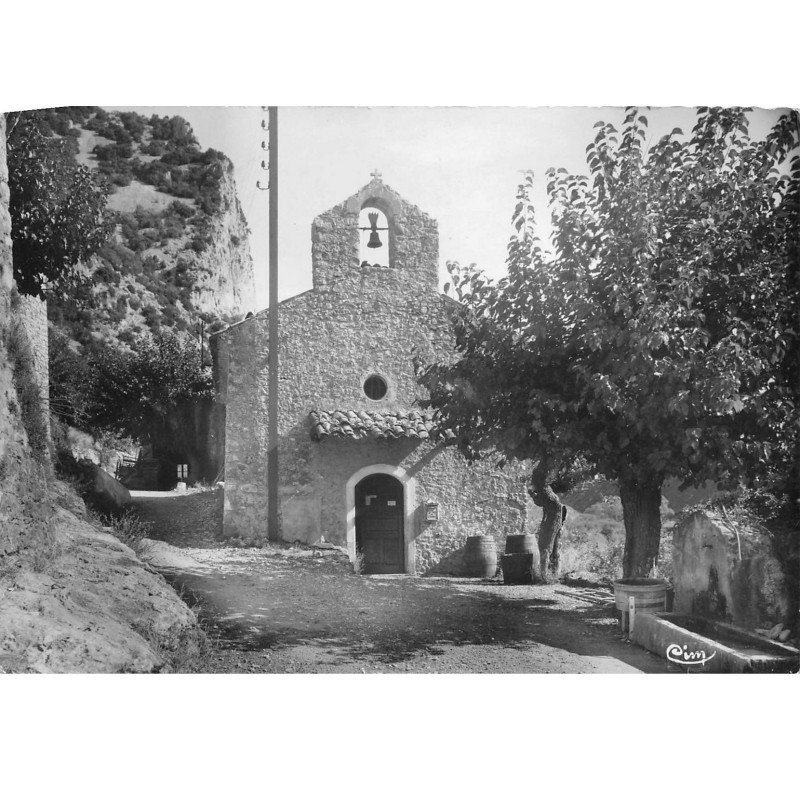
{"points": [[375, 174]]}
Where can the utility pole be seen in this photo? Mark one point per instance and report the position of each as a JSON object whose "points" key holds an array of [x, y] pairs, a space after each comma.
{"points": [[272, 378]]}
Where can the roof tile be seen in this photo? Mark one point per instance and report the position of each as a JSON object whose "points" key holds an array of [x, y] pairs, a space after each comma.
{"points": [[412, 424]]}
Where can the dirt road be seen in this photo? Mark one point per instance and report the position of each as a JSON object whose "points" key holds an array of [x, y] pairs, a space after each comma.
{"points": [[285, 609]]}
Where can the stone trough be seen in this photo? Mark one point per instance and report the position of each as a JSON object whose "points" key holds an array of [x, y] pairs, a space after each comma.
{"points": [[702, 645]]}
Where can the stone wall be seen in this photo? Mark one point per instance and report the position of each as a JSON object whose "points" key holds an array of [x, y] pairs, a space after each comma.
{"points": [[473, 499], [413, 244], [30, 318], [25, 510], [358, 320], [726, 570]]}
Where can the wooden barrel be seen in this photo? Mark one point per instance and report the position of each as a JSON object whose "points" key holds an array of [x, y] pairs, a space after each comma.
{"points": [[649, 595], [519, 568], [480, 556], [521, 543]]}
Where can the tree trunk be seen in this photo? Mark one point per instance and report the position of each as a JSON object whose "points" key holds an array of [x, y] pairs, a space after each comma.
{"points": [[641, 511], [549, 534]]}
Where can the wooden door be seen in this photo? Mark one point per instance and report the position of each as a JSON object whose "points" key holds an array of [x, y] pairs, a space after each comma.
{"points": [[379, 524]]}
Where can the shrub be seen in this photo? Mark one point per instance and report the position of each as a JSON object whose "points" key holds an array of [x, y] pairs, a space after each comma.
{"points": [[134, 124], [181, 209], [155, 147], [152, 316], [129, 529]]}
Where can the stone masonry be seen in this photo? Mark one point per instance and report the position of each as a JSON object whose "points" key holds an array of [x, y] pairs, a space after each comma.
{"points": [[728, 570], [358, 320], [24, 507], [30, 315]]}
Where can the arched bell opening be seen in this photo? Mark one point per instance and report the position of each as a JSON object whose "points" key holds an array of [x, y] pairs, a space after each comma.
{"points": [[374, 236]]}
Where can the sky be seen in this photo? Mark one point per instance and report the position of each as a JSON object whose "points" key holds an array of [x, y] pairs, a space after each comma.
{"points": [[461, 165]]}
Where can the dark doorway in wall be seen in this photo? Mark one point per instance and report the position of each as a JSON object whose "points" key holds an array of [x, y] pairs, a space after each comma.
{"points": [[379, 524]]}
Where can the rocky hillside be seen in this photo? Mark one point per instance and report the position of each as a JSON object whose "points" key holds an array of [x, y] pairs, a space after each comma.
{"points": [[73, 598], [89, 604], [179, 257]]}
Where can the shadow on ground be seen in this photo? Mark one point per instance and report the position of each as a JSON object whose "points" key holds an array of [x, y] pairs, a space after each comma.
{"points": [[287, 609], [391, 620]]}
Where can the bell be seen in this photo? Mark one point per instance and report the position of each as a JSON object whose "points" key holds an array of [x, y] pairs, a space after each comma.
{"points": [[374, 238]]}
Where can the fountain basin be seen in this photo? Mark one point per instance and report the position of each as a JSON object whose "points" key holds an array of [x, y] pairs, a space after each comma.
{"points": [[703, 645]]}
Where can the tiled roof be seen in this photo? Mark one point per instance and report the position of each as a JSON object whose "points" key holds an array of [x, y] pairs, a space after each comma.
{"points": [[414, 424]]}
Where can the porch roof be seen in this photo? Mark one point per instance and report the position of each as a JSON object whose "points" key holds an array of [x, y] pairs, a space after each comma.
{"points": [[361, 424]]}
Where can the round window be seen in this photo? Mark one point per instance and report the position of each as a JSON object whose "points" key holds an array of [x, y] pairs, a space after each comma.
{"points": [[375, 387]]}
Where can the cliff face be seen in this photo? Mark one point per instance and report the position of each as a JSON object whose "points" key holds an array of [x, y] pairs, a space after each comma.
{"points": [[224, 282], [179, 258]]}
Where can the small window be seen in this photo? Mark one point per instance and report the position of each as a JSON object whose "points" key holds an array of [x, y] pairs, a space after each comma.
{"points": [[375, 387]]}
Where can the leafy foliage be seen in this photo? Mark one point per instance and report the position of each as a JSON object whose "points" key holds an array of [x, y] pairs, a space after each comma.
{"points": [[71, 381], [58, 214], [153, 393], [660, 338]]}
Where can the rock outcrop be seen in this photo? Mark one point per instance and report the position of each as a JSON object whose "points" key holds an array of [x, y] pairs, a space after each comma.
{"points": [[224, 281], [179, 256], [106, 492], [72, 598], [93, 607]]}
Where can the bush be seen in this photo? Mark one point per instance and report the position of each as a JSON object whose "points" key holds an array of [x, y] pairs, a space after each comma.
{"points": [[152, 317], [174, 130], [155, 147], [181, 209], [112, 152], [134, 124], [129, 529], [183, 274]]}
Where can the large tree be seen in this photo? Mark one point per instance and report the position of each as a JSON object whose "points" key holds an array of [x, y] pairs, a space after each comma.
{"points": [[660, 337], [157, 394], [58, 217]]}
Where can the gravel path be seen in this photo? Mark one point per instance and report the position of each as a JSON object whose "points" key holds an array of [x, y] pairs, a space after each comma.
{"points": [[298, 609], [192, 518], [301, 610]]}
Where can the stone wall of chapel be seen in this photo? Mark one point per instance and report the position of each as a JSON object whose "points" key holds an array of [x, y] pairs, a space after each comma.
{"points": [[358, 320]]}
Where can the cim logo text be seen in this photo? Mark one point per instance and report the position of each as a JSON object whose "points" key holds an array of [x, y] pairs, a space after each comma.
{"points": [[682, 655]]}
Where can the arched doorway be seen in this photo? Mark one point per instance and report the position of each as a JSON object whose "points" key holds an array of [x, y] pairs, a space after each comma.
{"points": [[380, 516]]}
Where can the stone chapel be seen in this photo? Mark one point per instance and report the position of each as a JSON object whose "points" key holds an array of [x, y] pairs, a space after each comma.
{"points": [[359, 463]]}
